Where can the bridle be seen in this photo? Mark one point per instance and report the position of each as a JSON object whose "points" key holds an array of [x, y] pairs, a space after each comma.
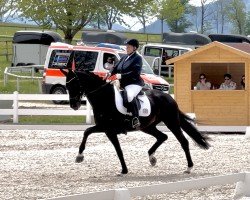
{"points": [[81, 93], [84, 93]]}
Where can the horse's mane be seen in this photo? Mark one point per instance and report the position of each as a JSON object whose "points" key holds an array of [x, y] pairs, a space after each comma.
{"points": [[91, 75]]}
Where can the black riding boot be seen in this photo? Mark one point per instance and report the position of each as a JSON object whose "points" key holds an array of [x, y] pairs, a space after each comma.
{"points": [[135, 114]]}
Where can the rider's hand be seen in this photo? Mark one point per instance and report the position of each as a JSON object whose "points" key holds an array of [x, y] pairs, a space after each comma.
{"points": [[107, 76], [118, 76]]}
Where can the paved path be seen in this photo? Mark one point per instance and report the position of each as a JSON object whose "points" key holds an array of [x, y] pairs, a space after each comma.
{"points": [[53, 127], [72, 127]]}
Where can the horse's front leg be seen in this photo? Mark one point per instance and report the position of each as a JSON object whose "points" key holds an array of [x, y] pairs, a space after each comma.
{"points": [[114, 140], [87, 132]]}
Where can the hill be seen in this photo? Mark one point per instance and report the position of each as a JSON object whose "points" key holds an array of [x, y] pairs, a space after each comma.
{"points": [[155, 27]]}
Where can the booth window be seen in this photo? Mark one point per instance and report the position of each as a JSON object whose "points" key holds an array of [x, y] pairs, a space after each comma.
{"points": [[215, 73]]}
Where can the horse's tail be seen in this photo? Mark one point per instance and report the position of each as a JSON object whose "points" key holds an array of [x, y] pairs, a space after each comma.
{"points": [[187, 124]]}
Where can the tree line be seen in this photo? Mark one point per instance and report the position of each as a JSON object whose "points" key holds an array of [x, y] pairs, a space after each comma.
{"points": [[71, 16]]}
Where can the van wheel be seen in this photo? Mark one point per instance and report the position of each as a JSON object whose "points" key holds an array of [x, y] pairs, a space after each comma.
{"points": [[59, 90]]}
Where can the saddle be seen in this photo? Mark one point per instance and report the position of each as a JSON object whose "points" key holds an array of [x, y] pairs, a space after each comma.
{"points": [[142, 101]]}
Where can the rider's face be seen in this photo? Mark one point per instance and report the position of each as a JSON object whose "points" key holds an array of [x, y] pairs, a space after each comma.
{"points": [[130, 49]]}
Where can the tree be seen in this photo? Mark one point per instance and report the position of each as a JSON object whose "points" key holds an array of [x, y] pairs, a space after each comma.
{"points": [[70, 16], [247, 24], [174, 13], [115, 11], [220, 15], [143, 11], [110, 14], [206, 12], [204, 15], [237, 15], [177, 10], [7, 9]]}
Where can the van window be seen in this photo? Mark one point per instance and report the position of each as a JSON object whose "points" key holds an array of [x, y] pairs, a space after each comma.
{"points": [[85, 60], [153, 51], [59, 59], [171, 53], [182, 51]]}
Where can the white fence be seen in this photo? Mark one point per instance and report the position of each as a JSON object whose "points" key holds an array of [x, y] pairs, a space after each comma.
{"points": [[9, 71], [242, 188], [15, 111]]}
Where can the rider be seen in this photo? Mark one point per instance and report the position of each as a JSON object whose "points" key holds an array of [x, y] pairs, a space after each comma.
{"points": [[128, 70]]}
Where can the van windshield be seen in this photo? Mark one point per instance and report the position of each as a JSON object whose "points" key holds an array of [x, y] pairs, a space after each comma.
{"points": [[146, 69]]}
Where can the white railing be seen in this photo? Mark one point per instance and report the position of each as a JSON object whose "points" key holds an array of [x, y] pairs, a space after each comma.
{"points": [[242, 188], [15, 111], [10, 71]]}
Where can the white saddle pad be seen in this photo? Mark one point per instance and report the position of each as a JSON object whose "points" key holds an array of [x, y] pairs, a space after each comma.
{"points": [[145, 104]]}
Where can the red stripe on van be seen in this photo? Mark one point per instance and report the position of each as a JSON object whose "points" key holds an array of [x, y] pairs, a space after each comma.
{"points": [[54, 72]]}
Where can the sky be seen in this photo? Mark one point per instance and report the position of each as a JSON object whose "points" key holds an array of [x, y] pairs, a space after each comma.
{"points": [[198, 2]]}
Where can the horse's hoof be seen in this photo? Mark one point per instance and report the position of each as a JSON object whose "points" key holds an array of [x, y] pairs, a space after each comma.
{"points": [[152, 160], [79, 159], [121, 175], [188, 171], [124, 171]]}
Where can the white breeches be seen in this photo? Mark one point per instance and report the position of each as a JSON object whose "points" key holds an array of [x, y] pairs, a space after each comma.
{"points": [[132, 91]]}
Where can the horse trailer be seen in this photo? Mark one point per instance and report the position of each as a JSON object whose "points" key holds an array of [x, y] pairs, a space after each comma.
{"points": [[30, 47]]}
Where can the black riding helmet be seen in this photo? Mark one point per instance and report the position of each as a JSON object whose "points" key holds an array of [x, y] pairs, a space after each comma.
{"points": [[133, 42]]}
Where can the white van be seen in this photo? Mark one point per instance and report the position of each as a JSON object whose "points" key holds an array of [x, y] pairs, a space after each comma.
{"points": [[157, 54]]}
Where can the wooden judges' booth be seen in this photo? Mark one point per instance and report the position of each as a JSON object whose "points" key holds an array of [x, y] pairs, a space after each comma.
{"points": [[215, 106]]}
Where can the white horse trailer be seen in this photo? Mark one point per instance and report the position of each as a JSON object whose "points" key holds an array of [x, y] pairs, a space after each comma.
{"points": [[30, 47]]}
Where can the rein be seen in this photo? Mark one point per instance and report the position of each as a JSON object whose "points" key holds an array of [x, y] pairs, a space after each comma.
{"points": [[70, 80], [96, 90], [84, 93]]}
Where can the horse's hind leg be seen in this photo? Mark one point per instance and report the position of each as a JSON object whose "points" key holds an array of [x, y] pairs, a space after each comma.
{"points": [[160, 137], [86, 134], [185, 146]]}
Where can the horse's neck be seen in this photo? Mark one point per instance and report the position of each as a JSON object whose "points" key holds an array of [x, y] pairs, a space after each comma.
{"points": [[102, 97]]}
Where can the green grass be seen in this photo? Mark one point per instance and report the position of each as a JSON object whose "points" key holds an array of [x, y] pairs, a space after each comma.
{"points": [[52, 120], [8, 30], [26, 86]]}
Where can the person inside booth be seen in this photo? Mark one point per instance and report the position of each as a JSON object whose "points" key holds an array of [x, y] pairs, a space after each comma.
{"points": [[228, 84], [242, 82], [202, 84]]}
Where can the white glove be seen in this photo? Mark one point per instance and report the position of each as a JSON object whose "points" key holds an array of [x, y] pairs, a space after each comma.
{"points": [[118, 76]]}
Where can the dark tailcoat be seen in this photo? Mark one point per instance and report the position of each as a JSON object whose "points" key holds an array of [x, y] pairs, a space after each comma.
{"points": [[130, 69]]}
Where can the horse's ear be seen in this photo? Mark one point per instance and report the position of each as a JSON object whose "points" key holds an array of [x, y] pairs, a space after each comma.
{"points": [[64, 71]]}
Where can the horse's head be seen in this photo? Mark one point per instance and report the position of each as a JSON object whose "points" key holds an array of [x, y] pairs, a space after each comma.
{"points": [[80, 83], [74, 88]]}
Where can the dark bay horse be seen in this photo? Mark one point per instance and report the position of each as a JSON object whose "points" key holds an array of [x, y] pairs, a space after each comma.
{"points": [[108, 119]]}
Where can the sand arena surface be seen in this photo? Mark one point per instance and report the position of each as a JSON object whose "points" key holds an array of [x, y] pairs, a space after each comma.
{"points": [[38, 164]]}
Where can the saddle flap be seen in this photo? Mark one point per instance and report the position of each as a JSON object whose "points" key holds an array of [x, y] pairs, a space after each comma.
{"points": [[144, 104]]}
